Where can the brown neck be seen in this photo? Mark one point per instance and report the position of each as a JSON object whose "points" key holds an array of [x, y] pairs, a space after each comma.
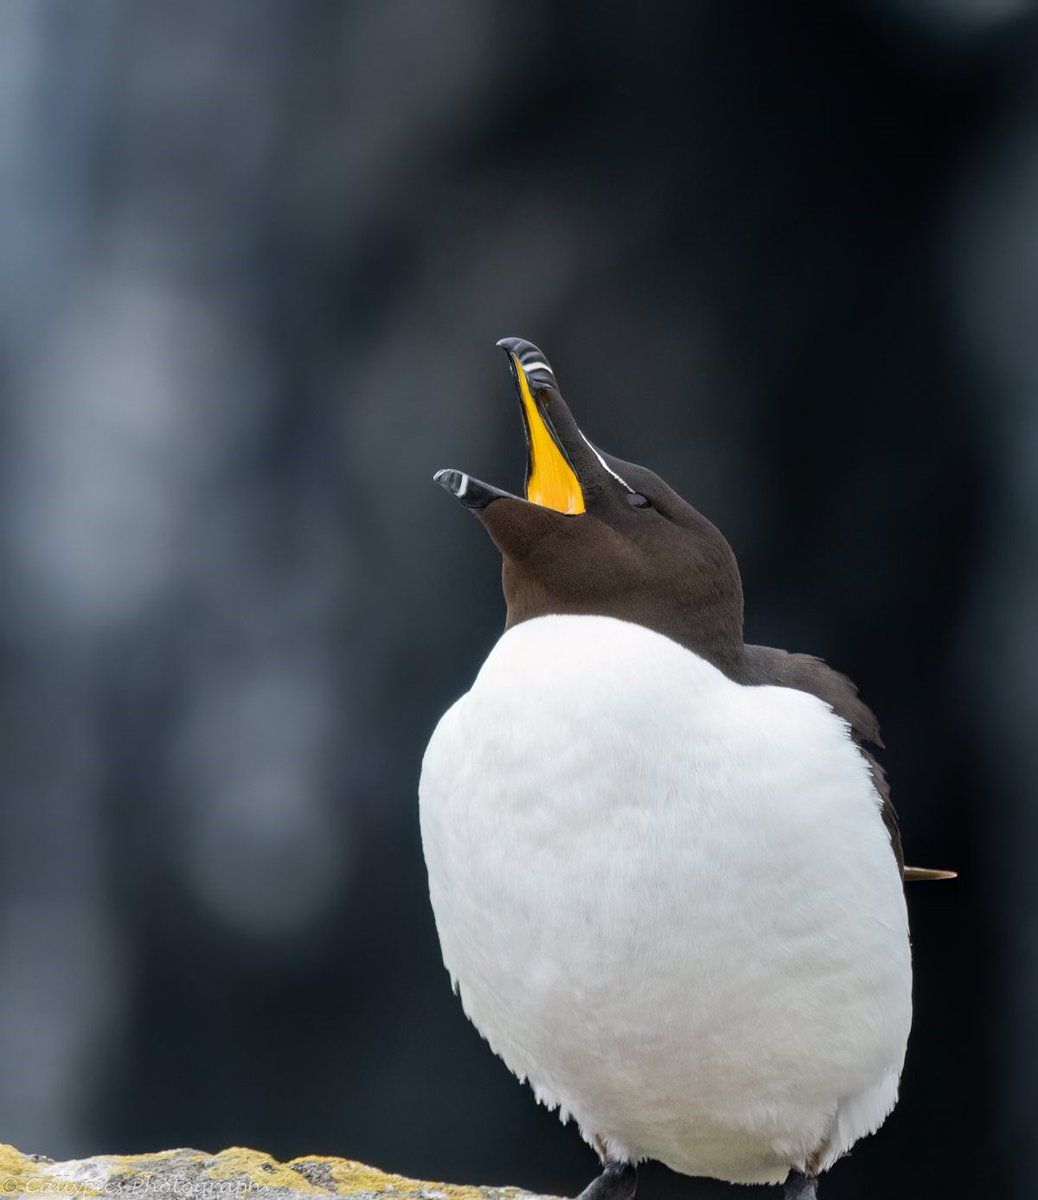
{"points": [[710, 627]]}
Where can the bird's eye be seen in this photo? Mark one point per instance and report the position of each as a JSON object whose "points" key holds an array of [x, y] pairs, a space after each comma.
{"points": [[637, 500]]}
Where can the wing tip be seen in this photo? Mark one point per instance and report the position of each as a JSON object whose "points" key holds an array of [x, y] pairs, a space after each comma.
{"points": [[919, 874]]}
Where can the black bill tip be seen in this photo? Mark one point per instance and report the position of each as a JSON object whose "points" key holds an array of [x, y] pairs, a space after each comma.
{"points": [[473, 493], [530, 358]]}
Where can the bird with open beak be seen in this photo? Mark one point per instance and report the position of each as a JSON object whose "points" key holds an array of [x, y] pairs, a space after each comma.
{"points": [[666, 874]]}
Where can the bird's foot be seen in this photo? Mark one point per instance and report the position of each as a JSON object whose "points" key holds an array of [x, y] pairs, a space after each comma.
{"points": [[800, 1187], [618, 1181]]}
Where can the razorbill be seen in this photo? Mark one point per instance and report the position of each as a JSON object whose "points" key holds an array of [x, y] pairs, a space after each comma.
{"points": [[666, 875]]}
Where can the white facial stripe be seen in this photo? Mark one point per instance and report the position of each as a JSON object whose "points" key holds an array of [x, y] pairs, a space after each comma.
{"points": [[618, 478], [538, 366]]}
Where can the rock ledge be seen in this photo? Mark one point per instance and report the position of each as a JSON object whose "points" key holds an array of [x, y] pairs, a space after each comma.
{"points": [[230, 1175]]}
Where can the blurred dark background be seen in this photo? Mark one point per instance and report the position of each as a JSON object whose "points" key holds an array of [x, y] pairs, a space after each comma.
{"points": [[254, 257]]}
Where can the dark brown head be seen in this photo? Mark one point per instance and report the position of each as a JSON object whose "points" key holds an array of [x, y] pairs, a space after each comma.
{"points": [[600, 536]]}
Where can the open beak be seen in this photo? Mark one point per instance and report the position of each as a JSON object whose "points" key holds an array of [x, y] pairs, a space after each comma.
{"points": [[550, 478], [551, 481]]}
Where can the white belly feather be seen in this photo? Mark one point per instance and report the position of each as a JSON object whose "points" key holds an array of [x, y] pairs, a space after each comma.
{"points": [[668, 900]]}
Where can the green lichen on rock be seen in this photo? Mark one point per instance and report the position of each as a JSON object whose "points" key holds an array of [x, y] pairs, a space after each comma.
{"points": [[230, 1175]]}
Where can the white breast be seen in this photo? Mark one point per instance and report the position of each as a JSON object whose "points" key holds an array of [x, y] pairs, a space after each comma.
{"points": [[668, 900]]}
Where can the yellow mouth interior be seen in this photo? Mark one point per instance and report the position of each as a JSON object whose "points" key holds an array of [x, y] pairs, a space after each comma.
{"points": [[551, 480]]}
